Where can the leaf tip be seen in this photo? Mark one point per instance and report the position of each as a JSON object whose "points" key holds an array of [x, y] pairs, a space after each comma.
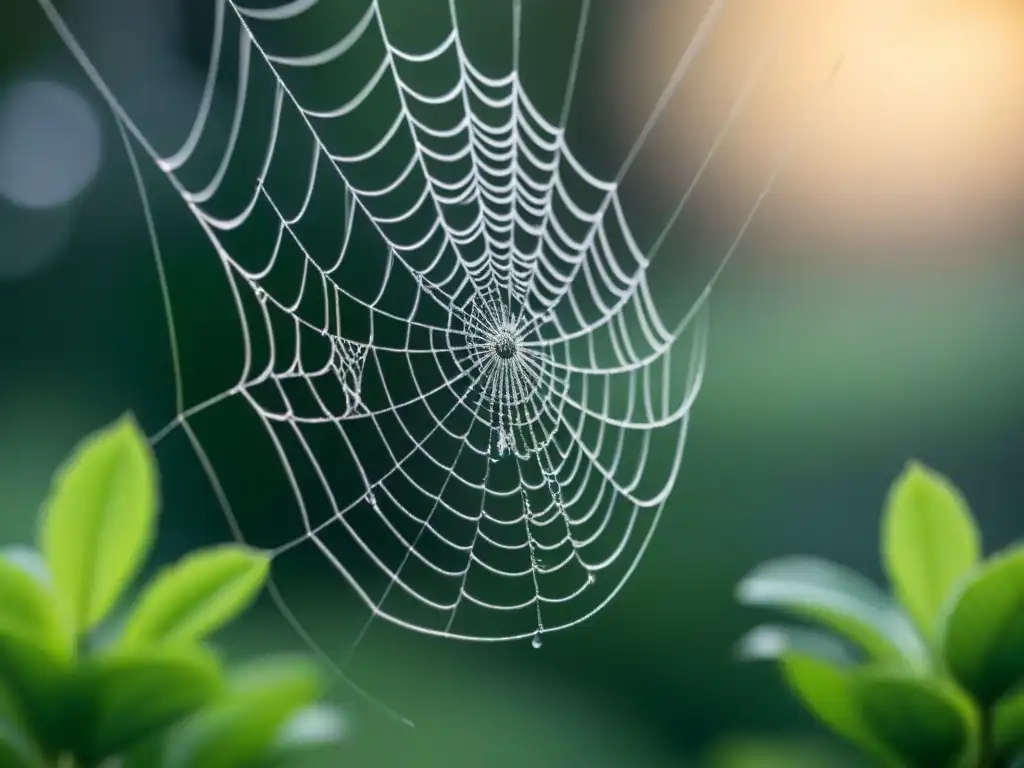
{"points": [[761, 644], [914, 477]]}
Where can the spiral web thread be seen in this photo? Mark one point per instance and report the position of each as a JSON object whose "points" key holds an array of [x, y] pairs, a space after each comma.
{"points": [[502, 421]]}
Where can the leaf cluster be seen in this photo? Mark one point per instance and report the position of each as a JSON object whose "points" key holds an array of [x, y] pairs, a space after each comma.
{"points": [[927, 674], [81, 688]]}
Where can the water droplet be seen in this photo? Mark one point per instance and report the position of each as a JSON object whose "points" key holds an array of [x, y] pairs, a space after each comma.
{"points": [[590, 578], [537, 642], [371, 499], [261, 295]]}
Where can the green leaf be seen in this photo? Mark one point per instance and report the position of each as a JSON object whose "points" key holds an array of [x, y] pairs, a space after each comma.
{"points": [[36, 647], [198, 595], [929, 541], [243, 725], [132, 695], [825, 691], [98, 523], [16, 746], [837, 598], [982, 636], [897, 718], [28, 611], [774, 642], [1008, 726], [37, 680], [314, 729], [17, 749], [924, 723]]}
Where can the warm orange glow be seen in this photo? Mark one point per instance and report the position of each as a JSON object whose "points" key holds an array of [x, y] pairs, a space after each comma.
{"points": [[920, 141]]}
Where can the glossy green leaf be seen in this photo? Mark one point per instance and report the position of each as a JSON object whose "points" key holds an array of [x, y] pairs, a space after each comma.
{"points": [[824, 689], [982, 635], [314, 730], [771, 642], [37, 679], [243, 725], [130, 696], [198, 595], [897, 718], [929, 541], [837, 598], [921, 721], [36, 646], [16, 745], [17, 749], [1008, 725], [28, 611], [98, 522]]}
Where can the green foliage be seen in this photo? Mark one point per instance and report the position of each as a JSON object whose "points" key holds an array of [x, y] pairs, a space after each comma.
{"points": [[983, 637], [836, 597], [197, 596], [311, 729], [918, 720], [825, 690], [132, 696], [154, 695], [1008, 726], [16, 747], [248, 719], [929, 541], [29, 613], [98, 523], [941, 658], [771, 642]]}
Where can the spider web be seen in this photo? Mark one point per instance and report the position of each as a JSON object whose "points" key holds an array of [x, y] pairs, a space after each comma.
{"points": [[467, 412]]}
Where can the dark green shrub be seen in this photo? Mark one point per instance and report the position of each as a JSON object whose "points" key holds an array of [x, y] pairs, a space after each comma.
{"points": [[928, 676], [76, 689]]}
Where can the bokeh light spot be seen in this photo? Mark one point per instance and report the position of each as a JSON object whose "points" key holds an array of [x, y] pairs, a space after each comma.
{"points": [[915, 149], [49, 144]]}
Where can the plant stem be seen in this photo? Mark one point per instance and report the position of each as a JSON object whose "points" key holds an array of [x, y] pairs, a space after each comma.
{"points": [[985, 756]]}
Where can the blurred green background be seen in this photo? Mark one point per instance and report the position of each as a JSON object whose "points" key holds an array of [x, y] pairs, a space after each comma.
{"points": [[826, 372]]}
